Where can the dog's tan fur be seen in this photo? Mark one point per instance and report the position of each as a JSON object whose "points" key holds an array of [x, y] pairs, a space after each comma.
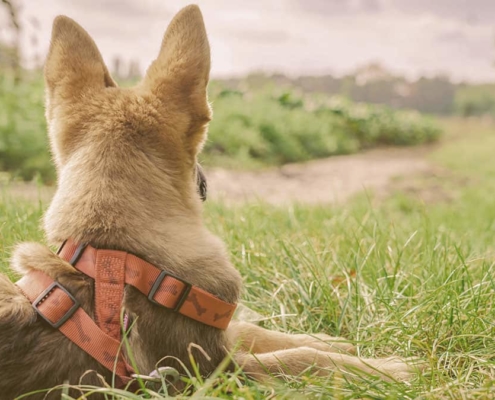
{"points": [[126, 167]]}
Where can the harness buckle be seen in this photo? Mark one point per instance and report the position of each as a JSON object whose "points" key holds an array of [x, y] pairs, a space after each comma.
{"points": [[157, 284], [45, 296], [77, 254]]}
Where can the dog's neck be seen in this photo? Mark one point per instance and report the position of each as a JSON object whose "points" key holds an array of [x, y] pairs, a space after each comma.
{"points": [[149, 218], [172, 236], [180, 245]]}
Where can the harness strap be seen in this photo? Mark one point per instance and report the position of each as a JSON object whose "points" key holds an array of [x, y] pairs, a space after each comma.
{"points": [[160, 287], [62, 311], [109, 292]]}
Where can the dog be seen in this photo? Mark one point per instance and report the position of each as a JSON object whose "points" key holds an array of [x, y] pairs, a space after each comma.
{"points": [[127, 182]]}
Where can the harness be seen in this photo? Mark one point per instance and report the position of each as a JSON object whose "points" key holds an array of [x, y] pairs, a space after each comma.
{"points": [[112, 270]]}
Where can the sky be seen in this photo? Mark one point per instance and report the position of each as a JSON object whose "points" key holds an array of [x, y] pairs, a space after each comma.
{"points": [[295, 37]]}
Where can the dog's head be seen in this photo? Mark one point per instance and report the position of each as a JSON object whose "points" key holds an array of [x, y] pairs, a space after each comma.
{"points": [[119, 147]]}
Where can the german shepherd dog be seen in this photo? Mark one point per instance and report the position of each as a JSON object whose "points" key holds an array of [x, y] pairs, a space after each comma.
{"points": [[126, 165]]}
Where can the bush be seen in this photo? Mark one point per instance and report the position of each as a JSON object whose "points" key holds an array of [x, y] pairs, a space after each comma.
{"points": [[374, 125], [277, 129], [264, 127], [23, 142]]}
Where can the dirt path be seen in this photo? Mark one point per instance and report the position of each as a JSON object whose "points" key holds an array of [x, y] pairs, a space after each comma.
{"points": [[321, 181]]}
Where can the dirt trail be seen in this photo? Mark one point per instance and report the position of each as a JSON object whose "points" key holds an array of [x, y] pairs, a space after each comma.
{"points": [[328, 180], [321, 181]]}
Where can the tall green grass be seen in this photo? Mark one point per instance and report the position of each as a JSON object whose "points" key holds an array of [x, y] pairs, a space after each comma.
{"points": [[395, 276]]}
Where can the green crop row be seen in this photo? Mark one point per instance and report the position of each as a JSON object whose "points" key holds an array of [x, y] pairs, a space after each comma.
{"points": [[275, 128], [261, 128]]}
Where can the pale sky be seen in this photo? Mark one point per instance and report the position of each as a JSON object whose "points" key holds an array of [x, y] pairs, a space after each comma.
{"points": [[296, 37]]}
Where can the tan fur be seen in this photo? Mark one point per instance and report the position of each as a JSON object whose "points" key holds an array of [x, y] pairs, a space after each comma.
{"points": [[126, 180]]}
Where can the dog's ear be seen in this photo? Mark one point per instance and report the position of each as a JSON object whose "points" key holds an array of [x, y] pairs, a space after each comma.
{"points": [[74, 64], [179, 76]]}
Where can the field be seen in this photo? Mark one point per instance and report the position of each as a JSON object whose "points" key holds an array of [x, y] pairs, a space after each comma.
{"points": [[397, 275], [252, 129]]}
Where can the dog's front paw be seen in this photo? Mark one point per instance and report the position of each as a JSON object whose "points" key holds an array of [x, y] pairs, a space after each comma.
{"points": [[397, 368], [326, 343]]}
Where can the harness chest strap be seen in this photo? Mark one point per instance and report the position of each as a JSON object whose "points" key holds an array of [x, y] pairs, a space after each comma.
{"points": [[62, 311], [111, 270], [160, 287]]}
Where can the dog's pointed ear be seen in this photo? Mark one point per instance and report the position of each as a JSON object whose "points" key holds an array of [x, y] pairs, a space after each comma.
{"points": [[74, 63], [179, 76]]}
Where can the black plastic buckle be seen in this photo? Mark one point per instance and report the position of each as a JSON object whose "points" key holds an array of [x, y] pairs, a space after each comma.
{"points": [[66, 316], [61, 247], [77, 254], [156, 286]]}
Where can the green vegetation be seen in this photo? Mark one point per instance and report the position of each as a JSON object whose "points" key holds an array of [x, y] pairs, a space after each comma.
{"points": [[23, 137], [273, 127], [374, 84], [256, 128], [396, 276], [475, 100]]}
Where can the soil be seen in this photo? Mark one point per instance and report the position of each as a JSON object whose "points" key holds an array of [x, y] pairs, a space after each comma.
{"points": [[330, 180]]}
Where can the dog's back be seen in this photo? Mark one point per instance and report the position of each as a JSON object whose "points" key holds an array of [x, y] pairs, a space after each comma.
{"points": [[126, 162]]}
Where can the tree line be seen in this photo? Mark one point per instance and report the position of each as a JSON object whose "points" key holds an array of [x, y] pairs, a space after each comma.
{"points": [[376, 85]]}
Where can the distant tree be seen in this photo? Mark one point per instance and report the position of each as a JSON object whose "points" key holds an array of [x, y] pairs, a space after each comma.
{"points": [[10, 53], [117, 67], [373, 83], [134, 71], [475, 100], [433, 95]]}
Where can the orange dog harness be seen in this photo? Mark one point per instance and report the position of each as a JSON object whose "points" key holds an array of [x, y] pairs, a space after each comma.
{"points": [[111, 271]]}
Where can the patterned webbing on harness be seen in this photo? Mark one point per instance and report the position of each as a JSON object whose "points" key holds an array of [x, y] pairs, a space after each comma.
{"points": [[111, 271]]}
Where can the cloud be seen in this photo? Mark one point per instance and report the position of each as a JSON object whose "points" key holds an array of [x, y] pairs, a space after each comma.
{"points": [[336, 8], [329, 8], [473, 11], [371, 5], [295, 36]]}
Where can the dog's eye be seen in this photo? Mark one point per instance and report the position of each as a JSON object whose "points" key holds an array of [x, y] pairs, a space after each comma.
{"points": [[201, 181]]}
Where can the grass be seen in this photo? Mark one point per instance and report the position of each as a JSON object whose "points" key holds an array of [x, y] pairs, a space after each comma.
{"points": [[397, 276]]}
